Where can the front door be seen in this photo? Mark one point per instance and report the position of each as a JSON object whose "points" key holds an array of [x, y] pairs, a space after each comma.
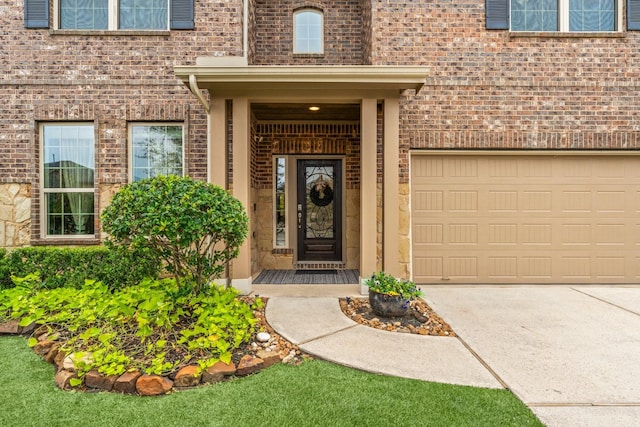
{"points": [[319, 210]]}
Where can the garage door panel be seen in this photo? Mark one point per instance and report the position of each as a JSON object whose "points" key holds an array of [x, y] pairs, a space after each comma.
{"points": [[540, 219]]}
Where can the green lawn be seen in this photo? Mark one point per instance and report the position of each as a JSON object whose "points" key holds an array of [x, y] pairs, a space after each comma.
{"points": [[314, 394]]}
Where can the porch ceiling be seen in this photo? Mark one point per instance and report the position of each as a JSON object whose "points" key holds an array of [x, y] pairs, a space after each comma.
{"points": [[300, 111], [298, 82]]}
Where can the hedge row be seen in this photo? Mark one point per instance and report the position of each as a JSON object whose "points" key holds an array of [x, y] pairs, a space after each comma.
{"points": [[60, 267]]}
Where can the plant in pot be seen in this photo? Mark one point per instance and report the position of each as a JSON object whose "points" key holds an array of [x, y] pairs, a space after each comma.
{"points": [[390, 296]]}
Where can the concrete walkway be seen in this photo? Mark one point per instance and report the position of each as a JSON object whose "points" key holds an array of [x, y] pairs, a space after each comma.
{"points": [[572, 354]]}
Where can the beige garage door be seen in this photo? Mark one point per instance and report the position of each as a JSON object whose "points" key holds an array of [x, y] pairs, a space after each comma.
{"points": [[525, 219]]}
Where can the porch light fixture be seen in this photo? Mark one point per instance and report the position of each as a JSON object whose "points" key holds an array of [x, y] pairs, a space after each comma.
{"points": [[314, 108]]}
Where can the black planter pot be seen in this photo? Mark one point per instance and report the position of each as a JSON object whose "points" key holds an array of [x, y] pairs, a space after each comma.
{"points": [[388, 305]]}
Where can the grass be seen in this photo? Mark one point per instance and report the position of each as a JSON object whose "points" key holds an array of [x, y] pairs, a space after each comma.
{"points": [[315, 393]]}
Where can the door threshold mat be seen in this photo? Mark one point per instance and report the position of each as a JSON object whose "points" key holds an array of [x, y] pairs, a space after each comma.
{"points": [[308, 277], [300, 272]]}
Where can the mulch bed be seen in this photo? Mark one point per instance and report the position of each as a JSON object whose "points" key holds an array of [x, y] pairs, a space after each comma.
{"points": [[420, 318]]}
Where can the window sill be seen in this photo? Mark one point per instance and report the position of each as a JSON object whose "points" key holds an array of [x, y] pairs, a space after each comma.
{"points": [[66, 241], [282, 251], [571, 35], [308, 55], [110, 32]]}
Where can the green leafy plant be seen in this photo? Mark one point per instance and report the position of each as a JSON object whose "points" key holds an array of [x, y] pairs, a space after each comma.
{"points": [[57, 266], [152, 327], [384, 283], [193, 226]]}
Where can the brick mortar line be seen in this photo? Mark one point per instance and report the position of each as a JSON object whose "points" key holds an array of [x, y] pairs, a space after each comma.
{"points": [[109, 82]]}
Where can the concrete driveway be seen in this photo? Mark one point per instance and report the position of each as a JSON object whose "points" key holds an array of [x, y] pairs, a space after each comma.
{"points": [[571, 353]]}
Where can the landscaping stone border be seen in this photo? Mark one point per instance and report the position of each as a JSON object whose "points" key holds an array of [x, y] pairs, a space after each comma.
{"points": [[135, 382]]}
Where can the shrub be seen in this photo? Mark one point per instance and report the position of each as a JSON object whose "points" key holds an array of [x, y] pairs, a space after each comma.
{"points": [[194, 227], [69, 267]]}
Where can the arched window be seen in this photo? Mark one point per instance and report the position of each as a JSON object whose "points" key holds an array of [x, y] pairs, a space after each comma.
{"points": [[308, 32]]}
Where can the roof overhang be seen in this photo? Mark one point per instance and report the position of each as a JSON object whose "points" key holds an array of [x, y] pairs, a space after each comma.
{"points": [[296, 82]]}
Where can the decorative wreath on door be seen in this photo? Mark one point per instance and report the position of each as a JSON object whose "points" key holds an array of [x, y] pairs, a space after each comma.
{"points": [[321, 193]]}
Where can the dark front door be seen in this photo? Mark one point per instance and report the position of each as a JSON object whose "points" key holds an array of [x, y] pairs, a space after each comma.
{"points": [[319, 210]]}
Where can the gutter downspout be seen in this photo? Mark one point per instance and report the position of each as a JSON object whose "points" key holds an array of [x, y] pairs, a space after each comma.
{"points": [[193, 85]]}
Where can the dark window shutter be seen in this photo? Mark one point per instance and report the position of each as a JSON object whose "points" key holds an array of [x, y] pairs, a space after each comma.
{"points": [[497, 14], [36, 13], [633, 14], [182, 17]]}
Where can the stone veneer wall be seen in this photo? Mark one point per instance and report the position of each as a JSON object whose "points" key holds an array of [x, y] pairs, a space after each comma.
{"points": [[15, 215]]}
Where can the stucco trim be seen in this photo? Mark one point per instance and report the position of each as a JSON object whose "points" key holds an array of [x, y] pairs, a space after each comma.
{"points": [[244, 79]]}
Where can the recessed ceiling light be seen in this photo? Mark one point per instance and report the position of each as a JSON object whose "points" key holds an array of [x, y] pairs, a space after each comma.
{"points": [[314, 108]]}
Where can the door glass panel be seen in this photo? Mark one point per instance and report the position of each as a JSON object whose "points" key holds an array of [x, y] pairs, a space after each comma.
{"points": [[319, 201]]}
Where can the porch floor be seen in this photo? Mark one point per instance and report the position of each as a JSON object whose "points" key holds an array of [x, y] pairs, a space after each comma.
{"points": [[307, 277]]}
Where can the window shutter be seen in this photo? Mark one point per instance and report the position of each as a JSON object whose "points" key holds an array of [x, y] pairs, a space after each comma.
{"points": [[497, 14], [36, 13], [633, 14], [182, 17]]}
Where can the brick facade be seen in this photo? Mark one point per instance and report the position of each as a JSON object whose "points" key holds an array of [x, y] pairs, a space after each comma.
{"points": [[343, 34], [108, 78], [485, 90], [492, 89]]}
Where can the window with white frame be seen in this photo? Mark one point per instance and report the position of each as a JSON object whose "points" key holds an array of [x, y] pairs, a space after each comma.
{"points": [[308, 31], [114, 14], [68, 156], [156, 149], [280, 203], [564, 15]]}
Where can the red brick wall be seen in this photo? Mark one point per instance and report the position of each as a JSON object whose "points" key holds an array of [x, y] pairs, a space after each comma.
{"points": [[305, 139], [109, 77], [489, 90], [273, 32]]}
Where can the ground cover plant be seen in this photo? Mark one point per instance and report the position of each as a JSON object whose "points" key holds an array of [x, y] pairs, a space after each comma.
{"points": [[315, 393], [154, 327]]}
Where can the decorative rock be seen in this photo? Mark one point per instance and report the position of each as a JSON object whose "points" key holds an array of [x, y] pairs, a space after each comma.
{"points": [[94, 379], [40, 331], [211, 376], [11, 327], [63, 377], [289, 357], [269, 358], [186, 377], [27, 330], [263, 337], [69, 364], [50, 357], [224, 368], [153, 385], [43, 347], [126, 383], [58, 359], [249, 364]]}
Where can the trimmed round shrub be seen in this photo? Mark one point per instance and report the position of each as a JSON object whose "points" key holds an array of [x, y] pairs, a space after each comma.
{"points": [[194, 227]]}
